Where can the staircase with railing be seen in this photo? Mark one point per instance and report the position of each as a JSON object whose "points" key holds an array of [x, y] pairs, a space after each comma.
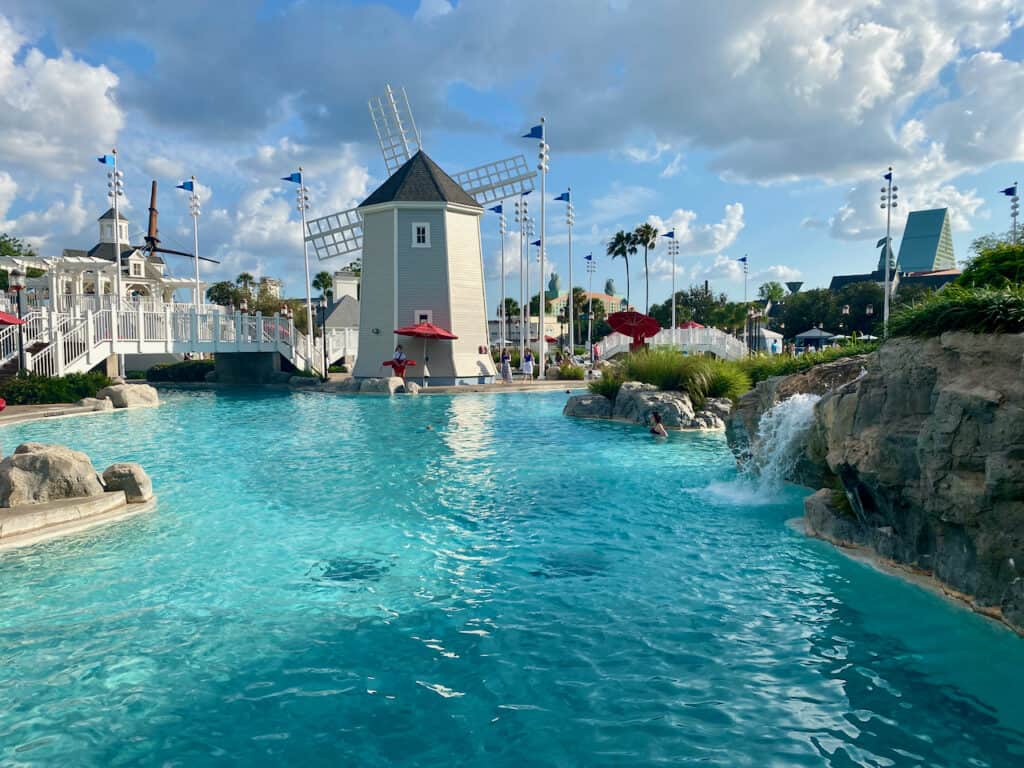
{"points": [[58, 343]]}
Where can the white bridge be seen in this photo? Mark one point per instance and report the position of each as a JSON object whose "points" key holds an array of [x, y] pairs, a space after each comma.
{"points": [[690, 341], [58, 343]]}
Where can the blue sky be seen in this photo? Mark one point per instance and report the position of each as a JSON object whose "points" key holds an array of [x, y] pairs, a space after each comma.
{"points": [[761, 131]]}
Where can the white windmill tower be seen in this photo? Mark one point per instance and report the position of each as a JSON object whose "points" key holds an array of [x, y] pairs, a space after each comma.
{"points": [[419, 234]]}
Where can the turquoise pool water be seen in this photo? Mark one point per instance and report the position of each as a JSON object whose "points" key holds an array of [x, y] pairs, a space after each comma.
{"points": [[327, 581]]}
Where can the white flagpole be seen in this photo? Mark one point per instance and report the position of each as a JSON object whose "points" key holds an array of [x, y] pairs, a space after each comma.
{"points": [[194, 210], [504, 322], [303, 206], [570, 219], [543, 168], [116, 191]]}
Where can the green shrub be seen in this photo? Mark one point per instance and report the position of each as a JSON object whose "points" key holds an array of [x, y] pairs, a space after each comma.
{"points": [[187, 370], [608, 385], [33, 389], [957, 308], [135, 375], [761, 367], [996, 267], [338, 369], [727, 380], [570, 372]]}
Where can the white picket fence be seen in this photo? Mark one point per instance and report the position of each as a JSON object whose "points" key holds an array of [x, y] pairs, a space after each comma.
{"points": [[691, 341]]}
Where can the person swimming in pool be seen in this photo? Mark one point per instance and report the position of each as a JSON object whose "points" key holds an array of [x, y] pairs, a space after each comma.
{"points": [[657, 428]]}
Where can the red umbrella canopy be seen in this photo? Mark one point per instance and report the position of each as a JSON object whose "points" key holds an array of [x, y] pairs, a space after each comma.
{"points": [[426, 331], [633, 324], [6, 319], [691, 324]]}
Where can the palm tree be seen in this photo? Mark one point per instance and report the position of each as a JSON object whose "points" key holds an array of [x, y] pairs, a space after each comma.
{"points": [[323, 282], [245, 281], [622, 246], [647, 237]]}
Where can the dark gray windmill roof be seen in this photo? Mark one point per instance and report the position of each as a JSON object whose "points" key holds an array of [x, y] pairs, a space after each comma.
{"points": [[420, 180], [110, 214]]}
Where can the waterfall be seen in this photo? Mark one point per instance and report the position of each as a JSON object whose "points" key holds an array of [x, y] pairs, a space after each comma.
{"points": [[780, 436]]}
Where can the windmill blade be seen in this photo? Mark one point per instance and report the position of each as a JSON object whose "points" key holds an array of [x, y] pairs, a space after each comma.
{"points": [[497, 181], [396, 130], [338, 234], [182, 253]]}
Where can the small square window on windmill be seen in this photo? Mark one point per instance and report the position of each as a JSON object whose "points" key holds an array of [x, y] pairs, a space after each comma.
{"points": [[420, 235]]}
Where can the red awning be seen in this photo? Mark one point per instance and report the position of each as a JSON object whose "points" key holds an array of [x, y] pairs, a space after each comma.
{"points": [[691, 324], [6, 319], [425, 331]]}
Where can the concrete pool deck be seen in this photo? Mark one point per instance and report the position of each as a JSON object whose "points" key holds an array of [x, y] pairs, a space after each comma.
{"points": [[33, 523]]}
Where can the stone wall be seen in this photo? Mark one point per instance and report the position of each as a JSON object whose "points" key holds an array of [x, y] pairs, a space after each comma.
{"points": [[924, 452]]}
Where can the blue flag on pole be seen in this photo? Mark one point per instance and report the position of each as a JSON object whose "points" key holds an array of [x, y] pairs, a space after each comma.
{"points": [[888, 176], [537, 132], [536, 242], [589, 257], [295, 178], [742, 259], [1009, 191], [106, 159], [564, 197], [188, 186], [496, 209], [671, 233]]}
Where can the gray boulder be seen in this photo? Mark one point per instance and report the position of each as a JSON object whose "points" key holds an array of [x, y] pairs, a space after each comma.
{"points": [[388, 385], [636, 402], [303, 382], [706, 420], [96, 404], [588, 406], [412, 388], [130, 478], [36, 473], [130, 395]]}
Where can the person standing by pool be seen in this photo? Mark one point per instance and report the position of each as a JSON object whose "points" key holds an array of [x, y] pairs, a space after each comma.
{"points": [[528, 364], [657, 428], [399, 354], [506, 366]]}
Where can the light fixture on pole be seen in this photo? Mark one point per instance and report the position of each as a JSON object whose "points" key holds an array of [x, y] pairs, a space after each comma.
{"points": [[302, 205], [530, 229], [591, 269], [889, 200], [543, 156], [1011, 192], [673, 251], [193, 209], [16, 282], [503, 326], [522, 212], [570, 219], [115, 191], [322, 303]]}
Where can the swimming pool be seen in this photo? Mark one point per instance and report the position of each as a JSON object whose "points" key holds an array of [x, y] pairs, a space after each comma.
{"points": [[328, 581]]}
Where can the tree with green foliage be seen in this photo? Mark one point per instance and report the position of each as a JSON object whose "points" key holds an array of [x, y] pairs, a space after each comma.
{"points": [[908, 295], [511, 308], [622, 246], [224, 293], [245, 282], [996, 265], [323, 282], [771, 291], [535, 305], [646, 237], [16, 248], [858, 297], [807, 309]]}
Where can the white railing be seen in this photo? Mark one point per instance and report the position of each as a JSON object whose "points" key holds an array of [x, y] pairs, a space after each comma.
{"points": [[78, 342], [692, 341]]}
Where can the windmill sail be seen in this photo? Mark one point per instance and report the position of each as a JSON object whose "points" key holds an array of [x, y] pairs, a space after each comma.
{"points": [[341, 234]]}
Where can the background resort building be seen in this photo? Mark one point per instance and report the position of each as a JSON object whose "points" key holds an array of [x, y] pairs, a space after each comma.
{"points": [[925, 255]]}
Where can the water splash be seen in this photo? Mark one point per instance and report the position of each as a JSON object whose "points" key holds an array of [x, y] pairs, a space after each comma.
{"points": [[780, 436]]}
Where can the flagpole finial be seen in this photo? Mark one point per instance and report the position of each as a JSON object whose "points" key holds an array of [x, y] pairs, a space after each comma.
{"points": [[113, 150], [193, 178]]}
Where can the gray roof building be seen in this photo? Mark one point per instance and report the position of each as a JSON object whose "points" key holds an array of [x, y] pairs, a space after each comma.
{"points": [[420, 180], [927, 243], [343, 313]]}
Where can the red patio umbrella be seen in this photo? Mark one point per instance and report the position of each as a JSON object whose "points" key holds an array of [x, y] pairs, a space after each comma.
{"points": [[425, 331], [6, 319], [635, 325], [691, 324]]}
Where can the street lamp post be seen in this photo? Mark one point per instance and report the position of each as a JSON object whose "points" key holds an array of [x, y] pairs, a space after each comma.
{"points": [[522, 211], [302, 205], [673, 251], [115, 191], [322, 303], [889, 201], [543, 157], [1011, 192], [16, 281], [503, 326], [526, 277], [570, 220], [193, 209], [591, 269]]}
